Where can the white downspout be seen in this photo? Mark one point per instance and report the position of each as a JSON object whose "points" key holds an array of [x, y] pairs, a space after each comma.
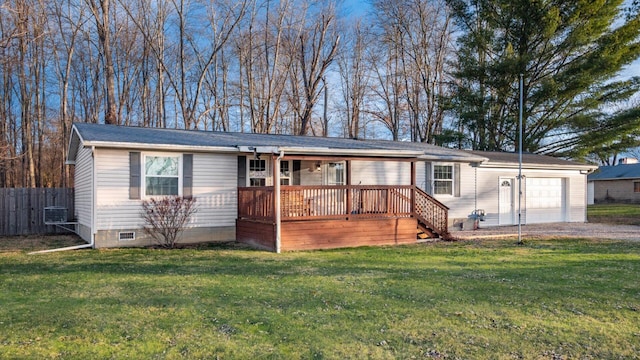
{"points": [[83, 246], [94, 196], [276, 190]]}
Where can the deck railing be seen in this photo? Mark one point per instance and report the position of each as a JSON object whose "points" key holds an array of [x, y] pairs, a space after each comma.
{"points": [[343, 201], [340, 201], [326, 202], [256, 203], [432, 213]]}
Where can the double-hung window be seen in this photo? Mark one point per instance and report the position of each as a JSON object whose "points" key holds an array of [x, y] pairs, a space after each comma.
{"points": [[443, 179], [257, 172], [161, 175], [285, 173]]}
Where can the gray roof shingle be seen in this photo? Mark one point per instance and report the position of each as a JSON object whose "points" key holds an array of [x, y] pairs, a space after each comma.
{"points": [[104, 134]]}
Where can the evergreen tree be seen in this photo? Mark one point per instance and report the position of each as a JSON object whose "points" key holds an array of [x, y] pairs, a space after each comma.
{"points": [[569, 53]]}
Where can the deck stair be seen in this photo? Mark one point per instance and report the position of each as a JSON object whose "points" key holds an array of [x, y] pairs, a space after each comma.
{"points": [[432, 216]]}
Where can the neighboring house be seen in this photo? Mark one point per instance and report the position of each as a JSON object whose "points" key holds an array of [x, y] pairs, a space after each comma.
{"points": [[282, 192], [615, 184]]}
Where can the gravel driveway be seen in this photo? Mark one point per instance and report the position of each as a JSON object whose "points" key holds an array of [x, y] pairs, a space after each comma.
{"points": [[582, 230]]}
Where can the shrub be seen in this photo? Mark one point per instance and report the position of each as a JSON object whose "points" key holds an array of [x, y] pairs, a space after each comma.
{"points": [[165, 218]]}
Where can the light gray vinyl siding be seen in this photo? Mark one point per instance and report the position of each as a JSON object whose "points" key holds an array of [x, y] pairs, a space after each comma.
{"points": [[214, 187], [460, 206], [83, 186], [309, 175], [577, 195], [380, 173], [488, 193], [421, 180]]}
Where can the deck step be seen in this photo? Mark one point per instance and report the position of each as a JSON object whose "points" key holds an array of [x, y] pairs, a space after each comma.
{"points": [[424, 232]]}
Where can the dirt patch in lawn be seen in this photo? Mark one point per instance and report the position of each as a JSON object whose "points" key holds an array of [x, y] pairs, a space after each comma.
{"points": [[38, 242], [555, 230], [614, 220]]}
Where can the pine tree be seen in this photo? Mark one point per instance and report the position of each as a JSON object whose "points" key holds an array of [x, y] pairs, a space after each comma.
{"points": [[569, 53]]}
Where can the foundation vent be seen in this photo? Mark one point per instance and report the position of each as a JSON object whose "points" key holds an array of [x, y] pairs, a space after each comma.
{"points": [[126, 236]]}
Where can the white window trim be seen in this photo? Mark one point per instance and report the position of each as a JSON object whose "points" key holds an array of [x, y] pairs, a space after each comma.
{"points": [[268, 170], [143, 177], [290, 177], [433, 178], [326, 165]]}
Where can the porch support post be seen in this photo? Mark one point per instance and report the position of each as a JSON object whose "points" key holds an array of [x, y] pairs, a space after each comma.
{"points": [[276, 198], [413, 186], [348, 188]]}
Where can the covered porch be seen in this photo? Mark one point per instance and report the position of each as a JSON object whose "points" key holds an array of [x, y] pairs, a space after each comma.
{"points": [[303, 217]]}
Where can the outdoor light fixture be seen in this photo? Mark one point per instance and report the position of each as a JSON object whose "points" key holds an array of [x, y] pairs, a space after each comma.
{"points": [[256, 156], [318, 164]]}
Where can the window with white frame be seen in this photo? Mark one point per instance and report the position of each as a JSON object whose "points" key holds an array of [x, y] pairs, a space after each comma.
{"points": [[257, 172], [335, 174], [443, 179], [161, 175], [285, 173]]}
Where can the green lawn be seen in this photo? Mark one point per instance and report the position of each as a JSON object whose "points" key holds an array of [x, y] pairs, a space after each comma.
{"points": [[548, 299], [628, 214]]}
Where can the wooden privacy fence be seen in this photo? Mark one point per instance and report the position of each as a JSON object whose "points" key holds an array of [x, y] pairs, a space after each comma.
{"points": [[22, 209]]}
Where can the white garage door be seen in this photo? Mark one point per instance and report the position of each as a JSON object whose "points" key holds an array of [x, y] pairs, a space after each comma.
{"points": [[545, 199]]}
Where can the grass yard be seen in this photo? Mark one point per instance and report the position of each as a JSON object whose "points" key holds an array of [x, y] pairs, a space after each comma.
{"points": [[548, 299], [624, 214]]}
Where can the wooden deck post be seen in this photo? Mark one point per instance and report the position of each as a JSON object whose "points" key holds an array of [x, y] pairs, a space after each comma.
{"points": [[276, 198], [413, 186], [348, 189]]}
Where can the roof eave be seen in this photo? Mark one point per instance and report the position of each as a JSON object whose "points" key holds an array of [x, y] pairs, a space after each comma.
{"points": [[618, 178], [350, 152], [453, 158], [74, 141], [162, 147], [539, 166]]}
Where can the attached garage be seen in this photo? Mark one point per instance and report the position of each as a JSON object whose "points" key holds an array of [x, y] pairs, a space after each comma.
{"points": [[553, 190], [545, 200]]}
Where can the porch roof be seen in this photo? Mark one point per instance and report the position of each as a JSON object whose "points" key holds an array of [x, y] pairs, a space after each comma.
{"points": [[113, 136]]}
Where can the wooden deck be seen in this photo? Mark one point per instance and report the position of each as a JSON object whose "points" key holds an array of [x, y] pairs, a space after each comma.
{"points": [[319, 217]]}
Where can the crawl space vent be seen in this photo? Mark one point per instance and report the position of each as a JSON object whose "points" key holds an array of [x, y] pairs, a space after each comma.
{"points": [[126, 236]]}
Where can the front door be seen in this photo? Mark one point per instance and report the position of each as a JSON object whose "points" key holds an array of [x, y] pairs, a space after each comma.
{"points": [[506, 202]]}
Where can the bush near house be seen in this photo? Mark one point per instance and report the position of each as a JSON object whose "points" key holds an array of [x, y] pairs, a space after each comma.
{"points": [[547, 299], [165, 218]]}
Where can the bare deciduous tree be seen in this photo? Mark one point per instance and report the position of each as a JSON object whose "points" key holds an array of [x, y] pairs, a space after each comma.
{"points": [[355, 78], [263, 66], [314, 49], [101, 10], [420, 31]]}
